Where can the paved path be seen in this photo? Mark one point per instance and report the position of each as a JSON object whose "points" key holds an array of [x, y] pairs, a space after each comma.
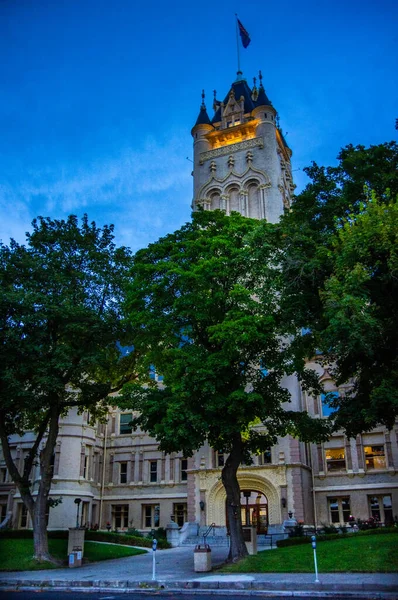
{"points": [[175, 570]]}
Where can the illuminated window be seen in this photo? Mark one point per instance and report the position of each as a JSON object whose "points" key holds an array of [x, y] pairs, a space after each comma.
{"points": [[125, 423], [153, 474], [335, 459], [339, 509], [375, 457], [184, 467], [381, 509], [123, 472], [151, 515]]}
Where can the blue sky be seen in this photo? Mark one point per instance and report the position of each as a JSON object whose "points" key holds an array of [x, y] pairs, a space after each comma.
{"points": [[97, 98]]}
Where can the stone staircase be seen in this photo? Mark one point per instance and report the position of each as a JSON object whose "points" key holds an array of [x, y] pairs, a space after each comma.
{"points": [[218, 536]]}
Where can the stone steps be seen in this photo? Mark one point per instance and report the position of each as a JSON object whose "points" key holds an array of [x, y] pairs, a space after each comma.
{"points": [[211, 540]]}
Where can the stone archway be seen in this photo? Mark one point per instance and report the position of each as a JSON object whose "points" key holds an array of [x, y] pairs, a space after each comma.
{"points": [[217, 496]]}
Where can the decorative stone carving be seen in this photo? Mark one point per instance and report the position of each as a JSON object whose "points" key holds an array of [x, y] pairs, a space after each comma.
{"points": [[231, 162], [249, 480], [253, 143]]}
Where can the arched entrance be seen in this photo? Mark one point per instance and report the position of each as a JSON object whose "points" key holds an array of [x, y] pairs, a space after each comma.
{"points": [[216, 498], [254, 510]]}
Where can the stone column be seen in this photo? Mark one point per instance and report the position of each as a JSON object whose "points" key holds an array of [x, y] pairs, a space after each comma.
{"points": [[389, 456], [263, 208], [177, 474], [243, 203], [224, 203], [348, 459], [321, 467], [167, 468], [361, 464], [137, 466]]}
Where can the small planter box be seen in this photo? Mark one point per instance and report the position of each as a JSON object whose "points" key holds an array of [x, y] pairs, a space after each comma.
{"points": [[202, 558]]}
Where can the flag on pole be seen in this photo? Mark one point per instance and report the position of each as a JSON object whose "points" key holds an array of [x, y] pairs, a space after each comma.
{"points": [[244, 36]]}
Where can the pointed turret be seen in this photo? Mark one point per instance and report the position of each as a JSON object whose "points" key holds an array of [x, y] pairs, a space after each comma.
{"points": [[203, 117], [262, 98]]}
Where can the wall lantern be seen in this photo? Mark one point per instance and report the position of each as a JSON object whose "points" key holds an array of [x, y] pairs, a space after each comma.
{"points": [[283, 501], [202, 505]]}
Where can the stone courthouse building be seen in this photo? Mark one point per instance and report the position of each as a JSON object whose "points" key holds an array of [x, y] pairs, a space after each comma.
{"points": [[241, 163]]}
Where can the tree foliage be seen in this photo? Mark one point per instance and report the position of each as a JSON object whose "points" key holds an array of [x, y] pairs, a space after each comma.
{"points": [[338, 268], [60, 319], [206, 315]]}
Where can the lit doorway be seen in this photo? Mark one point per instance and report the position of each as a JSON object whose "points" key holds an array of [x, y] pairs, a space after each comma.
{"points": [[254, 510]]}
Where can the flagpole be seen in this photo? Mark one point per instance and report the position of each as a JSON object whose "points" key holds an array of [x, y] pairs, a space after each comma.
{"points": [[237, 41]]}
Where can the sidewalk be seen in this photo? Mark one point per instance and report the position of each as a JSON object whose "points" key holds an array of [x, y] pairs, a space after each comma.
{"points": [[174, 571]]}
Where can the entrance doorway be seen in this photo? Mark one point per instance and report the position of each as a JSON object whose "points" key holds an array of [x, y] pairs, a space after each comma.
{"points": [[254, 510]]}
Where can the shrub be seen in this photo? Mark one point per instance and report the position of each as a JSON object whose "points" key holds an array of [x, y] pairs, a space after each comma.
{"points": [[134, 532], [328, 529], [334, 536], [158, 534], [297, 531], [95, 536]]}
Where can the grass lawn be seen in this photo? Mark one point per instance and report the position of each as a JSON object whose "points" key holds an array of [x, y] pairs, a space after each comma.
{"points": [[16, 555], [368, 554]]}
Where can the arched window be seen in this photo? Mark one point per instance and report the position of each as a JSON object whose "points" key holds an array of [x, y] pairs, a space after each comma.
{"points": [[254, 210]]}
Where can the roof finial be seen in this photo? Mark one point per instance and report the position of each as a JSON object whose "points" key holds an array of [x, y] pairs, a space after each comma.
{"points": [[215, 103], [254, 90], [203, 99], [260, 76], [277, 120]]}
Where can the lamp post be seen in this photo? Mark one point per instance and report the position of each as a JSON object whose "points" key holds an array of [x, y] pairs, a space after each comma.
{"points": [[247, 495], [77, 502]]}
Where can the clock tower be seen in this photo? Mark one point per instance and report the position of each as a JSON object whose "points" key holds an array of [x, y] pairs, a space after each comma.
{"points": [[241, 159]]}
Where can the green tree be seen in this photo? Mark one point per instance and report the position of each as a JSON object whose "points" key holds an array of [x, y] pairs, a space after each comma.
{"points": [[205, 314], [60, 320], [361, 317], [336, 254]]}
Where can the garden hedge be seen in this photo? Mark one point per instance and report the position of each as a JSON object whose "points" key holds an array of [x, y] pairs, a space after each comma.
{"points": [[94, 536], [306, 539]]}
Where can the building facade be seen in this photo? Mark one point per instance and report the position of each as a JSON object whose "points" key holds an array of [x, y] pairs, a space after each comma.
{"points": [[241, 163]]}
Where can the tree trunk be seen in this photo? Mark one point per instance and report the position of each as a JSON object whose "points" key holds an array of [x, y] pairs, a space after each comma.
{"points": [[229, 477], [40, 539]]}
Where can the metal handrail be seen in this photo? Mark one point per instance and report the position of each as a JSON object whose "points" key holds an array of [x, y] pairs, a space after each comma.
{"points": [[207, 532]]}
